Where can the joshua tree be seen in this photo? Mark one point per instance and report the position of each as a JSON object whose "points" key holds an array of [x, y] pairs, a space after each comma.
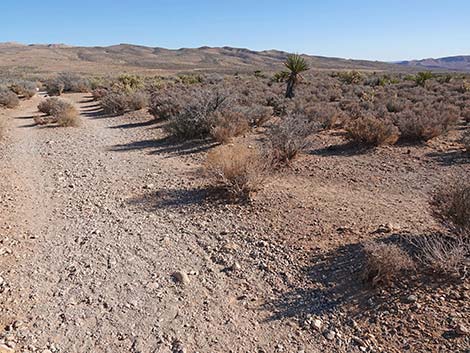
{"points": [[296, 64]]}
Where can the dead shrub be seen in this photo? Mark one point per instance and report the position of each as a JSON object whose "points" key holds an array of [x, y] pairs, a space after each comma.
{"points": [[326, 115], [239, 169], [451, 205], [370, 131], [99, 93], [385, 263], [229, 124], [288, 138], [8, 99], [445, 256]]}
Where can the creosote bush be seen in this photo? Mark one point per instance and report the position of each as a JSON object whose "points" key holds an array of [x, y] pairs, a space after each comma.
{"points": [[371, 131], [239, 169], [8, 99], [385, 263]]}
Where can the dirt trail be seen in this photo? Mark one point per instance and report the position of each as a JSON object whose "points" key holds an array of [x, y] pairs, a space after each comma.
{"points": [[89, 217]]}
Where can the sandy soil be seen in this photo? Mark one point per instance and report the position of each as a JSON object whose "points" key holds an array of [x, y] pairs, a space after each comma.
{"points": [[96, 220]]}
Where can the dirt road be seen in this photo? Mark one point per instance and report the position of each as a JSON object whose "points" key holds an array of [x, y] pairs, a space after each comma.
{"points": [[90, 218], [96, 220]]}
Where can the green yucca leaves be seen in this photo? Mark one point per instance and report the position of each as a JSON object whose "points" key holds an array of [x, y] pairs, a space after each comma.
{"points": [[296, 64]]}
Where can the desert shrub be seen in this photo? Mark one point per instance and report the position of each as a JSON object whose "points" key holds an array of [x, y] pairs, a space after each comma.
{"points": [[385, 263], [239, 169], [47, 106], [451, 204], [54, 87], [421, 78], [423, 124], [466, 115], [466, 141], [370, 131], [197, 117], [24, 89], [446, 256], [350, 77], [395, 105], [229, 124], [60, 112], [8, 99], [325, 115], [288, 138], [166, 104], [129, 82], [257, 115], [190, 79], [281, 76], [73, 82], [99, 93], [119, 103]]}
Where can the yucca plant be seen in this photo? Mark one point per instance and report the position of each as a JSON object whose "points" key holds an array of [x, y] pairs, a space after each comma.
{"points": [[296, 65]]}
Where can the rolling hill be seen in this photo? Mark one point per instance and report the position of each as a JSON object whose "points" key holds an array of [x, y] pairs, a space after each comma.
{"points": [[450, 63], [46, 58]]}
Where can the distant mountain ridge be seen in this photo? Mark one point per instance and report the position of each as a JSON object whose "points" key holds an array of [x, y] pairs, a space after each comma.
{"points": [[449, 63], [47, 58]]}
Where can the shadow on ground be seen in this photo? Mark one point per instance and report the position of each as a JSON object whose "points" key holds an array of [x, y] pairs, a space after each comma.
{"points": [[166, 145]]}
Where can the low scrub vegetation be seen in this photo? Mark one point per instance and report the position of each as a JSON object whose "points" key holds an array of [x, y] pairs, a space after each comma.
{"points": [[24, 89], [466, 141], [58, 112], [290, 137], [451, 205], [385, 263], [8, 99], [119, 103], [240, 169], [67, 82], [229, 124], [371, 131]]}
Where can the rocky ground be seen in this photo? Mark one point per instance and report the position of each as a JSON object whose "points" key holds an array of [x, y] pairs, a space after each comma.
{"points": [[112, 241]]}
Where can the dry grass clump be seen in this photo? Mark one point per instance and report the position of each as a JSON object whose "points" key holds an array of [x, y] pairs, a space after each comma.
{"points": [[445, 256], [229, 124], [451, 205], [122, 102], [239, 169], [8, 99], [290, 137], [385, 263], [370, 131], [58, 112]]}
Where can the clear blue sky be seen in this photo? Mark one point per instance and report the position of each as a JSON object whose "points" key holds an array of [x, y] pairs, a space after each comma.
{"points": [[368, 29]]}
